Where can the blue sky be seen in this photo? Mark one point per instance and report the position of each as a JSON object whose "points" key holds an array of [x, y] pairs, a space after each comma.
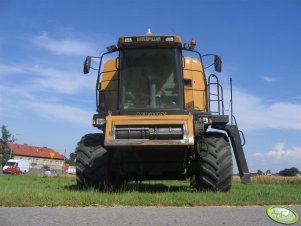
{"points": [[45, 100]]}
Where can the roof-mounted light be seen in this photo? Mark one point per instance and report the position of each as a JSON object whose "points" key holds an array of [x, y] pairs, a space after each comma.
{"points": [[169, 39], [186, 46], [192, 44], [128, 40]]}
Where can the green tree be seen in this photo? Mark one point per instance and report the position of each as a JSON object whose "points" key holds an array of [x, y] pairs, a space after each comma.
{"points": [[71, 159], [4, 156], [4, 148], [259, 172], [291, 172], [5, 134]]}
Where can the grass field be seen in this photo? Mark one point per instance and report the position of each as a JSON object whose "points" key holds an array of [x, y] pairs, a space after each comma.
{"points": [[26, 190]]}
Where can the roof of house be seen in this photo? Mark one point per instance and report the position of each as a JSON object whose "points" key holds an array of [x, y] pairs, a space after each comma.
{"points": [[33, 151]]}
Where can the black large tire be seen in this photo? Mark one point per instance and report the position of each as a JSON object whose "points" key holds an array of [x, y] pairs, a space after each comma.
{"points": [[214, 163], [92, 162]]}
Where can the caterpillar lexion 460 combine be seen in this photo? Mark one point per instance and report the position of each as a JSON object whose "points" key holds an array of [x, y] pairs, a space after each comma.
{"points": [[162, 118]]}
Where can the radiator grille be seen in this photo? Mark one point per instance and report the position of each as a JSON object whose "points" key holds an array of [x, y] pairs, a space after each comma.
{"points": [[151, 132]]}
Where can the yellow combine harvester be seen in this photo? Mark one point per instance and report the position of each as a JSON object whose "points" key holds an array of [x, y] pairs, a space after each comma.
{"points": [[156, 109]]}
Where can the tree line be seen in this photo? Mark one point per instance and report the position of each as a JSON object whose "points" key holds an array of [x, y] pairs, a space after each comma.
{"points": [[290, 172]]}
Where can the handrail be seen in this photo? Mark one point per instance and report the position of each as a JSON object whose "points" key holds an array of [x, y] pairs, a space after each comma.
{"points": [[98, 88], [219, 94]]}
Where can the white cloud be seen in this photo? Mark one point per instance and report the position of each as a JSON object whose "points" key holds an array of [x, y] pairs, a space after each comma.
{"points": [[51, 89], [269, 79], [253, 113], [62, 111], [9, 69], [64, 46], [41, 90], [280, 152], [52, 106], [62, 81], [47, 79]]}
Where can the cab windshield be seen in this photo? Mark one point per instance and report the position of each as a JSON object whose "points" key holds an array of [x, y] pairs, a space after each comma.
{"points": [[11, 164], [150, 79]]}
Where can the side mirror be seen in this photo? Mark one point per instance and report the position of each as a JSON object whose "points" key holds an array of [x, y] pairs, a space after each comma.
{"points": [[87, 65], [217, 63]]}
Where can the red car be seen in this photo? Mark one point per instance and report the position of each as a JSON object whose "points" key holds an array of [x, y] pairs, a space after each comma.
{"points": [[13, 170]]}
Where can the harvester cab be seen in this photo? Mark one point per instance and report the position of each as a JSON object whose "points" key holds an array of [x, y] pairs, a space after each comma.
{"points": [[157, 108]]}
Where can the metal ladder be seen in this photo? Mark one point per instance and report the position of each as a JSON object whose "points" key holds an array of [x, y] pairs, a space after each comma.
{"points": [[215, 95]]}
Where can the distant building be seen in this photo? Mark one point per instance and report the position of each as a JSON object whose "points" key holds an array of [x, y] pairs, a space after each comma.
{"points": [[38, 156]]}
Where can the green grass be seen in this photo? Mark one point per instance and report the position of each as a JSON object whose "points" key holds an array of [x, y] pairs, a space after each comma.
{"points": [[26, 190]]}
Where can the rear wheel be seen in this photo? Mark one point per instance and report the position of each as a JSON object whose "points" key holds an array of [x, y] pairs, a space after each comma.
{"points": [[92, 162], [214, 163]]}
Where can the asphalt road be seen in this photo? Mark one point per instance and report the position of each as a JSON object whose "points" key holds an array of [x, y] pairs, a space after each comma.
{"points": [[139, 216]]}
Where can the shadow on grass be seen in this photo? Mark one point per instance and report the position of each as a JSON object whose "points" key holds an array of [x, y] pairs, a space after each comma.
{"points": [[137, 187]]}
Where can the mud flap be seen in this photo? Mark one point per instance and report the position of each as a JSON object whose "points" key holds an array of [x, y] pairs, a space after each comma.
{"points": [[233, 133]]}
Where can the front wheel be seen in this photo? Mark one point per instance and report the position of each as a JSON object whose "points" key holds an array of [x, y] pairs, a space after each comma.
{"points": [[214, 163], [92, 162]]}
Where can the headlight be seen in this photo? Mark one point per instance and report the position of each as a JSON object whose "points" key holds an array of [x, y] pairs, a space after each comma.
{"points": [[99, 122], [205, 120]]}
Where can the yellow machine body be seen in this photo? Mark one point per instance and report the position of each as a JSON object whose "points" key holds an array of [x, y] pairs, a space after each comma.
{"points": [[194, 97]]}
